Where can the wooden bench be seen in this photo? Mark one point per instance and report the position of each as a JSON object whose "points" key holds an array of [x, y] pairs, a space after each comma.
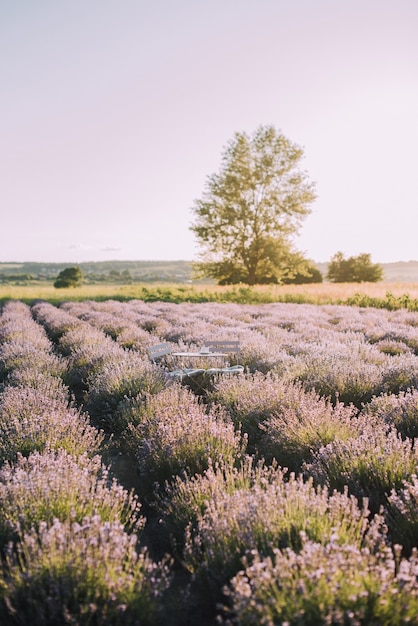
{"points": [[228, 346], [160, 350], [163, 350]]}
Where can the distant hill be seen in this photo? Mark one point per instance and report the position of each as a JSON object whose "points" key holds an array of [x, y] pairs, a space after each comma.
{"points": [[160, 271], [401, 272], [99, 271]]}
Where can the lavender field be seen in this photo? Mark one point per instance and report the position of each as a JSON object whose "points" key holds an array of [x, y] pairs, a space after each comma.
{"points": [[285, 495]]}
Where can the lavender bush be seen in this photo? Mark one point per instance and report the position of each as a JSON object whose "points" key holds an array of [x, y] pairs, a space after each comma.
{"points": [[333, 583], [348, 377], [249, 400], [186, 497], [55, 320], [393, 347], [82, 336], [171, 432], [24, 355], [271, 514], [402, 514], [44, 384], [24, 344], [119, 380], [115, 319], [282, 420], [53, 485], [31, 421], [400, 374], [16, 322], [87, 573], [370, 464], [302, 423], [399, 411], [86, 348], [89, 359]]}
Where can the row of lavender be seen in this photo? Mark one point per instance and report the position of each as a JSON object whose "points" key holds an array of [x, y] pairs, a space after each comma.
{"points": [[329, 393], [68, 532]]}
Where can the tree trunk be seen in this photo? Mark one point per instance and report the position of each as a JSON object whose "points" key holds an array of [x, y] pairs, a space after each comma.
{"points": [[251, 276]]}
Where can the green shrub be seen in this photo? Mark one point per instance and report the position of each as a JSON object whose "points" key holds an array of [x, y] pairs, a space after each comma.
{"points": [[355, 269]]}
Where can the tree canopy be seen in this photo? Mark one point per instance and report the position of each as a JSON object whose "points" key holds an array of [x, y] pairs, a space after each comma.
{"points": [[251, 208], [69, 277], [355, 269]]}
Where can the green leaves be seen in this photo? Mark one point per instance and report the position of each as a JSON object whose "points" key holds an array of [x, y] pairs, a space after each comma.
{"points": [[357, 269], [70, 277]]}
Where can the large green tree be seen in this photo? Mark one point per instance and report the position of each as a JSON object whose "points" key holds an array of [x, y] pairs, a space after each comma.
{"points": [[354, 269], [250, 210]]}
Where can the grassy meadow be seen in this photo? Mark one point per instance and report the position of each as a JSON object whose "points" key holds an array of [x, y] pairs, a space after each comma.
{"points": [[381, 295]]}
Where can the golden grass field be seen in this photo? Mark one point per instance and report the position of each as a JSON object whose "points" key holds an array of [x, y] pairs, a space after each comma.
{"points": [[319, 293]]}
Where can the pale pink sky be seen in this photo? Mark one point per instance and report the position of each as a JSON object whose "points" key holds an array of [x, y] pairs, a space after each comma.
{"points": [[114, 113]]}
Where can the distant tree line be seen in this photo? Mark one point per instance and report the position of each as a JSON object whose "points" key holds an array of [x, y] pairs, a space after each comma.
{"points": [[4, 278], [354, 269]]}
